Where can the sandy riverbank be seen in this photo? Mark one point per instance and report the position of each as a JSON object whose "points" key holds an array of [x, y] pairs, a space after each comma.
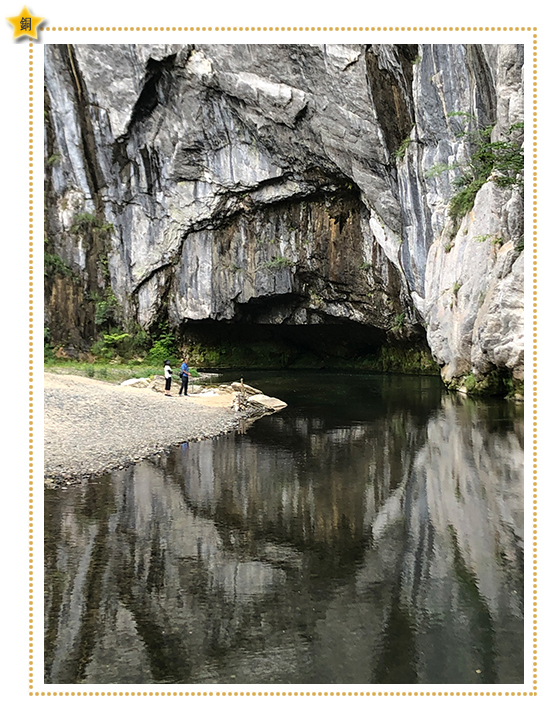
{"points": [[92, 426]]}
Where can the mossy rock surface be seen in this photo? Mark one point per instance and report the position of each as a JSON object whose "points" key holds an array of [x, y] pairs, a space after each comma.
{"points": [[497, 383]]}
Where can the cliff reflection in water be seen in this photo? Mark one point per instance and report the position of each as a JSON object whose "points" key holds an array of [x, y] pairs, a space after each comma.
{"points": [[308, 550]]}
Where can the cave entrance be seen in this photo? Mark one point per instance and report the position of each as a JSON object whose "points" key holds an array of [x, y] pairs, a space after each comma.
{"points": [[252, 345]]}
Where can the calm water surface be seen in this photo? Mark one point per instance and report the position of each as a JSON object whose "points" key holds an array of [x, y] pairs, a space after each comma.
{"points": [[372, 532]]}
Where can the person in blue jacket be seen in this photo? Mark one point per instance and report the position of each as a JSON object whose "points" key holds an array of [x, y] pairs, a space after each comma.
{"points": [[184, 374]]}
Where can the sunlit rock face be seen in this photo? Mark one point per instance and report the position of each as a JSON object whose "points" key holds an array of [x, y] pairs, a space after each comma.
{"points": [[473, 297], [285, 184]]}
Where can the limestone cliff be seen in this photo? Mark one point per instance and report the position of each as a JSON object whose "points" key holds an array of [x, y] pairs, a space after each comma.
{"points": [[286, 185]]}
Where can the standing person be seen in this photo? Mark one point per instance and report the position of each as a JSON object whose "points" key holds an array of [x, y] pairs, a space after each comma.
{"points": [[184, 374], [168, 378]]}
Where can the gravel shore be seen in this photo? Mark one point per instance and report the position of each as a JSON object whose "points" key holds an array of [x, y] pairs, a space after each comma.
{"points": [[91, 426]]}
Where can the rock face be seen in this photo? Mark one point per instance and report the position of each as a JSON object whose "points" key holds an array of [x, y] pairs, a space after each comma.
{"points": [[284, 185], [472, 298]]}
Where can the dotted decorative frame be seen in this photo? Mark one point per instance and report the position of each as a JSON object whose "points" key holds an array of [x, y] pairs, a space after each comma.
{"points": [[289, 29], [421, 693], [31, 365]]}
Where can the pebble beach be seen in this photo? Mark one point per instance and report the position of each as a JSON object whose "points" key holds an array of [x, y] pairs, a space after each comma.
{"points": [[92, 426]]}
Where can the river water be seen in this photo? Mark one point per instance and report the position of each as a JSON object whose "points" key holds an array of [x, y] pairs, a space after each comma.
{"points": [[372, 532]]}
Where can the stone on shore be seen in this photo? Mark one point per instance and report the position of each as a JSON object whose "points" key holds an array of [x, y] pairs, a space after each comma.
{"points": [[137, 382], [269, 403]]}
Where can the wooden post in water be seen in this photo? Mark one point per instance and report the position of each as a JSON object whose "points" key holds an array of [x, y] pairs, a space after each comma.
{"points": [[242, 398]]}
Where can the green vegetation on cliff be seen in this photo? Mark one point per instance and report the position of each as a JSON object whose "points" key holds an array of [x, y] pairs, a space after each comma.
{"points": [[55, 265], [501, 161]]}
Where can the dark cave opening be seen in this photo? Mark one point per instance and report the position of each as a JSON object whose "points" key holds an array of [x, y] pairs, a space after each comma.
{"points": [[323, 340], [332, 344]]}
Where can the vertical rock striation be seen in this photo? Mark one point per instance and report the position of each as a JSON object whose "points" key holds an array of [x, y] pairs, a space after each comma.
{"points": [[285, 185], [466, 276]]}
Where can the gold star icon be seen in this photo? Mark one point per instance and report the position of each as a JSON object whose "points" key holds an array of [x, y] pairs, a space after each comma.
{"points": [[24, 24]]}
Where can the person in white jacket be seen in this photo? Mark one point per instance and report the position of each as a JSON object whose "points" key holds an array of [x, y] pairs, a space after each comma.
{"points": [[168, 378]]}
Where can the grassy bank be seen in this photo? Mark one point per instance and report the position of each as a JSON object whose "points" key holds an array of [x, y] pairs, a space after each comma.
{"points": [[110, 372]]}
